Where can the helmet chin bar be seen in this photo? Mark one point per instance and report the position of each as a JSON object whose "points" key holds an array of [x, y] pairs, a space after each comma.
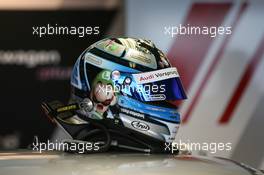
{"points": [[110, 136]]}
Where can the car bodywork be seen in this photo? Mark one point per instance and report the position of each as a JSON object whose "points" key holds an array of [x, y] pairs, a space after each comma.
{"points": [[59, 163]]}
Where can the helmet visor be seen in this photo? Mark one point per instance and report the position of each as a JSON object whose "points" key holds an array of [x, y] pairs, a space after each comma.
{"points": [[164, 84]]}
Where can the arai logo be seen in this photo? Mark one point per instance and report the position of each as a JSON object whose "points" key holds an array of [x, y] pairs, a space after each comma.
{"points": [[140, 125]]}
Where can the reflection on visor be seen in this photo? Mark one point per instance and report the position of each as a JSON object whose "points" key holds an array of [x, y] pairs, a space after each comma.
{"points": [[164, 84]]}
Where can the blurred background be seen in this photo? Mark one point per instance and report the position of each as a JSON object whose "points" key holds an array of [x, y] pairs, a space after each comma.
{"points": [[223, 75]]}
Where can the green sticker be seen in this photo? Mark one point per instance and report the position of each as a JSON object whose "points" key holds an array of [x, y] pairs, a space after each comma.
{"points": [[113, 47], [106, 75]]}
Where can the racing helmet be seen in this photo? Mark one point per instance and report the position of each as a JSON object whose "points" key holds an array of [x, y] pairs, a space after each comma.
{"points": [[126, 90], [131, 82]]}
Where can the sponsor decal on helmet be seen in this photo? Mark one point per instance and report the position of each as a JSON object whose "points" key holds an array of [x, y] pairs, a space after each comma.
{"points": [[155, 97], [93, 59], [141, 58], [106, 75], [154, 76], [140, 125], [133, 113], [111, 47]]}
